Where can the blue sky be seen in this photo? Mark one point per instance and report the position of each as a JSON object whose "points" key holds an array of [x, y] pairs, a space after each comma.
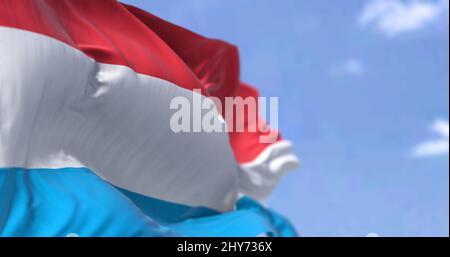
{"points": [[363, 89]]}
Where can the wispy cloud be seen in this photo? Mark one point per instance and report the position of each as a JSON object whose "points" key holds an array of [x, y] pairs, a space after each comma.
{"points": [[435, 147], [353, 67], [392, 17]]}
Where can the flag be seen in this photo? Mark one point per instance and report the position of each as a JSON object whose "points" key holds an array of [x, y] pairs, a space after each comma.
{"points": [[86, 146]]}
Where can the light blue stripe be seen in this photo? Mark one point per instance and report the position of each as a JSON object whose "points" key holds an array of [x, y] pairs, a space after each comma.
{"points": [[57, 202], [248, 220], [165, 212], [46, 202]]}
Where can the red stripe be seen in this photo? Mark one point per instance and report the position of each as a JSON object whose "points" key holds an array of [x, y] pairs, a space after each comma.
{"points": [[246, 146], [214, 62]]}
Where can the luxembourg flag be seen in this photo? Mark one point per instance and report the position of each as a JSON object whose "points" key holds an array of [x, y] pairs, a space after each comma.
{"points": [[86, 146]]}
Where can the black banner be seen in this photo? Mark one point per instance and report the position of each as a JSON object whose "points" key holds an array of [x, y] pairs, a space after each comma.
{"points": [[226, 246]]}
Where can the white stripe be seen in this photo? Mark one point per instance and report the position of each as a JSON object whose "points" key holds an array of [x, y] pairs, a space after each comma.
{"points": [[259, 177], [60, 108]]}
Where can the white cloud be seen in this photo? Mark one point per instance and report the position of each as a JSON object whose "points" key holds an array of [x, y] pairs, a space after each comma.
{"points": [[393, 17], [435, 147], [351, 67]]}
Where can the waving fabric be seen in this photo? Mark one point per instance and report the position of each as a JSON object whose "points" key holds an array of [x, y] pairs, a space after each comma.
{"points": [[85, 141]]}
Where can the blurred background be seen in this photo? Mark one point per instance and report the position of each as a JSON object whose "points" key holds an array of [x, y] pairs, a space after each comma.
{"points": [[363, 88]]}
